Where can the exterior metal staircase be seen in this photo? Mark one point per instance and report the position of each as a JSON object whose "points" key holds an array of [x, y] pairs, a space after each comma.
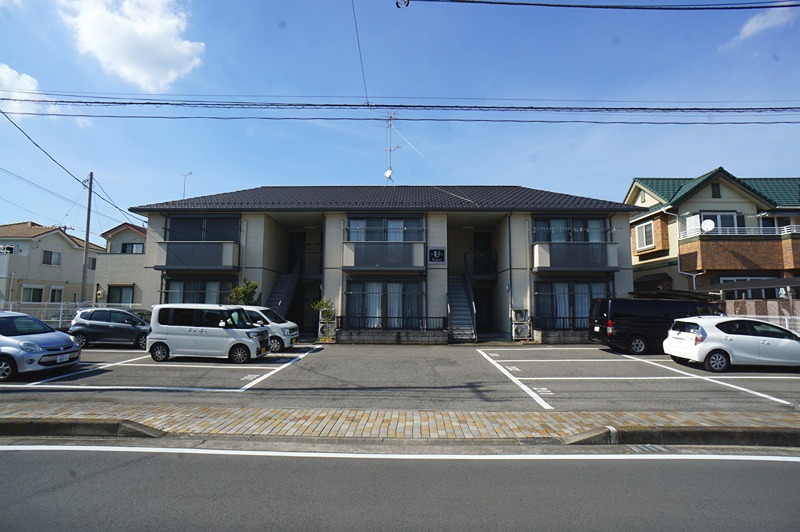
{"points": [[281, 295], [461, 317]]}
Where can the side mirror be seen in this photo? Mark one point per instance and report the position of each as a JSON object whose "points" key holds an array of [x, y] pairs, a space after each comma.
{"points": [[260, 323], [221, 323]]}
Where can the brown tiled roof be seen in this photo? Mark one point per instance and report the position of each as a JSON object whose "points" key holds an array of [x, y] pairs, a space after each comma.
{"points": [[392, 198], [26, 230]]}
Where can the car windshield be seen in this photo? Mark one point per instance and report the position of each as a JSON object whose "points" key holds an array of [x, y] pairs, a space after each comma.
{"points": [[273, 316], [22, 325]]}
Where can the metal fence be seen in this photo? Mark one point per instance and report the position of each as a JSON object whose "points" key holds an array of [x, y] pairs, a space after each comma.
{"points": [[59, 315]]}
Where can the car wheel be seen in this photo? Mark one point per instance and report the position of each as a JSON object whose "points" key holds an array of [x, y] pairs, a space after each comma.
{"points": [[8, 369], [81, 340], [679, 360], [275, 344], [637, 345], [141, 341], [239, 354], [159, 352], [717, 361]]}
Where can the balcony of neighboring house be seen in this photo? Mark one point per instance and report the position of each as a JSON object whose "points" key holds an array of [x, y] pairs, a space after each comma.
{"points": [[197, 255], [735, 247]]}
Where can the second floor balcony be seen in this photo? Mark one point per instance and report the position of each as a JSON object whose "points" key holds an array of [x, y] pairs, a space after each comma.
{"points": [[575, 256], [401, 256], [186, 255]]}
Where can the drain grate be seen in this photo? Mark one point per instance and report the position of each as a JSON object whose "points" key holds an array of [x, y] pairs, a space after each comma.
{"points": [[647, 448]]}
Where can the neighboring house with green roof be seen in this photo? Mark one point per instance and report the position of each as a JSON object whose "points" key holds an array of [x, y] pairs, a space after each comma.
{"points": [[401, 264], [701, 233]]}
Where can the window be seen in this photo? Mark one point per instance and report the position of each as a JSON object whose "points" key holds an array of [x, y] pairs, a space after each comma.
{"points": [[384, 305], [565, 305], [56, 295], [378, 229], [131, 248], [725, 223], [569, 230], [92, 264], [771, 225], [644, 236], [210, 229], [120, 294], [53, 258], [752, 293], [32, 294], [213, 291], [715, 191]]}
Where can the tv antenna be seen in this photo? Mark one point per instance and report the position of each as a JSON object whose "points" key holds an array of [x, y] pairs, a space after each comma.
{"points": [[389, 149]]}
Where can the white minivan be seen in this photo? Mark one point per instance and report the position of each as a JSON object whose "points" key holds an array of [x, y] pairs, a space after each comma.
{"points": [[205, 331], [282, 332]]}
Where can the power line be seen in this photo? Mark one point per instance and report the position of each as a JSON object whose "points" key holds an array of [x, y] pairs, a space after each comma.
{"points": [[631, 7]]}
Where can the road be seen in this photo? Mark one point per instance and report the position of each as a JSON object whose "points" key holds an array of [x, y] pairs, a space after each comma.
{"points": [[48, 488]]}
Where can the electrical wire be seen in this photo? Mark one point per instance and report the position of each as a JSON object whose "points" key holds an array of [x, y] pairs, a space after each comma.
{"points": [[630, 7]]}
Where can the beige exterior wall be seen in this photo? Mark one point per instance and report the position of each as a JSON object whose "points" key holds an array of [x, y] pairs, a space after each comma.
{"points": [[263, 246], [436, 234], [153, 254], [623, 279], [332, 278], [117, 268]]}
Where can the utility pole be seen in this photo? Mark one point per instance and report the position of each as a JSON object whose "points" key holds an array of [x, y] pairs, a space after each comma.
{"points": [[86, 241]]}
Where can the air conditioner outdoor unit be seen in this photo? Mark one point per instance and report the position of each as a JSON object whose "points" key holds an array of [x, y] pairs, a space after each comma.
{"points": [[522, 331], [521, 316], [327, 329]]}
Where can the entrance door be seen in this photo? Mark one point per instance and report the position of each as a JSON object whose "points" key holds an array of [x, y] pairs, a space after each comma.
{"points": [[483, 309], [482, 261]]}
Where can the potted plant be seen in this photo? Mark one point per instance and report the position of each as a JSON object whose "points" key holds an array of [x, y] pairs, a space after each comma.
{"points": [[327, 319]]}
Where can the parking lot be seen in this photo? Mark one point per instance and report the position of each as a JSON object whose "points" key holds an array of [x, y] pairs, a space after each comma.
{"points": [[477, 377]]}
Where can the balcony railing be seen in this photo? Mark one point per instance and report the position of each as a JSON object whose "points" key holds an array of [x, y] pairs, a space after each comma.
{"points": [[186, 255], [585, 256], [743, 231], [384, 255]]}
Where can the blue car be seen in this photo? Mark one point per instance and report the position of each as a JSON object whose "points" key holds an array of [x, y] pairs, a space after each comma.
{"points": [[28, 344]]}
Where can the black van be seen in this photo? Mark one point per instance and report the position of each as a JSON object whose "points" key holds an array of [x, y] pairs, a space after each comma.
{"points": [[640, 325]]}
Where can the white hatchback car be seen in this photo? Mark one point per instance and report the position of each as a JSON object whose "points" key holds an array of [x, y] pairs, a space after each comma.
{"points": [[718, 342]]}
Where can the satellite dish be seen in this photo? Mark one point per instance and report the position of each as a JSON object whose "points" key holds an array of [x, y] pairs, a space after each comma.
{"points": [[707, 225], [388, 173]]}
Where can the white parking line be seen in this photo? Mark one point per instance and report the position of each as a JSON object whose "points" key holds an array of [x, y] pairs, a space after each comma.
{"points": [[516, 381], [714, 381], [57, 377], [276, 370], [568, 360]]}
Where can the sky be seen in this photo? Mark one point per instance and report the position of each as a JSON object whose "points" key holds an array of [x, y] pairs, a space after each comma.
{"points": [[55, 53]]}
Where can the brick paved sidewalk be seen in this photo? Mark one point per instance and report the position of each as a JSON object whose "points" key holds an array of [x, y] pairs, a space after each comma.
{"points": [[329, 423]]}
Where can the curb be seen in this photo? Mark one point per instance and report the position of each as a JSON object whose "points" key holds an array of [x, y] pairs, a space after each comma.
{"points": [[96, 428], [745, 436]]}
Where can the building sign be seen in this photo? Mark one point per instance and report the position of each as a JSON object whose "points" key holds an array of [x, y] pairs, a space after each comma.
{"points": [[436, 256]]}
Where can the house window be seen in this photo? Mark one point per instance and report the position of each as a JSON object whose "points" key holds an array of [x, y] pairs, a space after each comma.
{"points": [[565, 305], [53, 258], [131, 248], [644, 236], [56, 295], [378, 229], [771, 225], [120, 294], [752, 293], [32, 294], [715, 191], [725, 223], [208, 229], [92, 264], [384, 305]]}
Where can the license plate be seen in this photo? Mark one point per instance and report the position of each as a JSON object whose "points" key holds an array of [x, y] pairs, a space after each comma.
{"points": [[596, 328], [294, 341], [262, 350], [62, 358]]}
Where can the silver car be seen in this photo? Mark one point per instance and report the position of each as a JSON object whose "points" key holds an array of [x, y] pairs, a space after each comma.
{"points": [[718, 342], [28, 344]]}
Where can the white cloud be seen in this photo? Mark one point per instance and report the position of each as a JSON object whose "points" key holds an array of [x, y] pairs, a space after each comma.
{"points": [[773, 18], [17, 86], [137, 40]]}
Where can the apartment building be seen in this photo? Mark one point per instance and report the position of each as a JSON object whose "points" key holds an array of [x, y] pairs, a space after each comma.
{"points": [[739, 237], [400, 263]]}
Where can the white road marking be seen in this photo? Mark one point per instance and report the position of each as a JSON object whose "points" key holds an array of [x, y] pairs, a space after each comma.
{"points": [[714, 381], [96, 368], [732, 377], [276, 370], [373, 456], [567, 360], [516, 381], [513, 368]]}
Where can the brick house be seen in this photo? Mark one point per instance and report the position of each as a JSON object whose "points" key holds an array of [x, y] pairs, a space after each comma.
{"points": [[120, 270], [400, 263], [716, 233]]}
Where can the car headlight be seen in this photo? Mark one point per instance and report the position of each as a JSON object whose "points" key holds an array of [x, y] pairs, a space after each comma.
{"points": [[30, 347], [253, 334]]}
